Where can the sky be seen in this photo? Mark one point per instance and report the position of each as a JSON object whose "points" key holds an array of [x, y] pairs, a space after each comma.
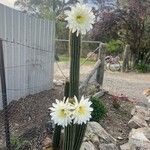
{"points": [[9, 3]]}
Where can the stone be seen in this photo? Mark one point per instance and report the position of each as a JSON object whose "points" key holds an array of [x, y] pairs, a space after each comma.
{"points": [[2, 147], [127, 146], [87, 146], [92, 56], [147, 94], [144, 111], [119, 138], [58, 82], [95, 140], [110, 146], [47, 142], [99, 94], [96, 129], [137, 121], [140, 138]]}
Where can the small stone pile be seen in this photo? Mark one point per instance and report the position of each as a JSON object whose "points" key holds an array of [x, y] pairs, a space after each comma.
{"points": [[139, 137], [96, 138]]}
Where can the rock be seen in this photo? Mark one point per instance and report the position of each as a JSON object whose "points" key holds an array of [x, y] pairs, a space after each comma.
{"points": [[119, 138], [97, 129], [137, 121], [2, 147], [92, 56], [58, 82], [47, 143], [147, 94], [143, 111], [127, 146], [99, 94], [110, 146], [140, 138], [95, 140], [87, 146]]}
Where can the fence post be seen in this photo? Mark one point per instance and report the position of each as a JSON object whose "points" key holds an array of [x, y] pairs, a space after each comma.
{"points": [[100, 69], [4, 97], [125, 65]]}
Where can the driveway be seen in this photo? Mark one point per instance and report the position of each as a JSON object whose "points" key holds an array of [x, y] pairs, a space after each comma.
{"points": [[129, 84]]}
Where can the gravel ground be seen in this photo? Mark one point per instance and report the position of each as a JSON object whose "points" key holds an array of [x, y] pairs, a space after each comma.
{"points": [[129, 84]]}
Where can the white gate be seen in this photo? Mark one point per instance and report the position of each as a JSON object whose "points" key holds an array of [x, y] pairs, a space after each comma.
{"points": [[28, 45]]}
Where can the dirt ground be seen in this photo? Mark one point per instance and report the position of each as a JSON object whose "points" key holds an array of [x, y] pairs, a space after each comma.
{"points": [[29, 116]]}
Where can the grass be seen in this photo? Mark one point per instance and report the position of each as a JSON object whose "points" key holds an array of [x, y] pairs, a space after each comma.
{"points": [[65, 59]]}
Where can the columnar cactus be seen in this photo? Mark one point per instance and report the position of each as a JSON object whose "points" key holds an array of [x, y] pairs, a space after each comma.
{"points": [[75, 48]]}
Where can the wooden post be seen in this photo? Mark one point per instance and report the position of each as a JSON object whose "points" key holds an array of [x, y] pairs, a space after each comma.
{"points": [[4, 97], [100, 69], [125, 65]]}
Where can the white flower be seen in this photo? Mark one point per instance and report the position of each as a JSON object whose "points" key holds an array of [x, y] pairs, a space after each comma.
{"points": [[80, 18], [61, 114], [82, 112]]}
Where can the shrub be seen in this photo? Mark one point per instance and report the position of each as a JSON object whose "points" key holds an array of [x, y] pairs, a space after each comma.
{"points": [[114, 47], [99, 109], [17, 144], [143, 68]]}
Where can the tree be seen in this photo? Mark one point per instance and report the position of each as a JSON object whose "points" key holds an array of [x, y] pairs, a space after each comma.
{"points": [[44, 8], [130, 23]]}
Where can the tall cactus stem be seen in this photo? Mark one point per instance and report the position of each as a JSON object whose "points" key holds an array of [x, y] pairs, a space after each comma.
{"points": [[75, 48], [80, 131]]}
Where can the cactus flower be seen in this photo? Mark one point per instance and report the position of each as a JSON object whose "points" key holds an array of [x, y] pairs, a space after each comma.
{"points": [[80, 18], [61, 114], [82, 111]]}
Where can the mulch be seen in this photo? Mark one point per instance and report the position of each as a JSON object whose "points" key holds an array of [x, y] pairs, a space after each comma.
{"points": [[31, 113]]}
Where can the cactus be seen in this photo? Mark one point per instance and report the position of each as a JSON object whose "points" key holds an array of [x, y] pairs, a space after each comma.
{"points": [[80, 131], [56, 137], [57, 131], [74, 46]]}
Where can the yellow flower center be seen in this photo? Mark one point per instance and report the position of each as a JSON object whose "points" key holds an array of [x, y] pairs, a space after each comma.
{"points": [[81, 110], [62, 113], [80, 19]]}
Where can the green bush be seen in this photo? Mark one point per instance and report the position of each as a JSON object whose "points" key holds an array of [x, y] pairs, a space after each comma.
{"points": [[114, 47], [99, 109], [18, 144], [143, 68]]}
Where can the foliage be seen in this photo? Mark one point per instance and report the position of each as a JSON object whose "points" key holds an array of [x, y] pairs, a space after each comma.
{"points": [[99, 109], [114, 47], [44, 8], [143, 68], [128, 21], [18, 144]]}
